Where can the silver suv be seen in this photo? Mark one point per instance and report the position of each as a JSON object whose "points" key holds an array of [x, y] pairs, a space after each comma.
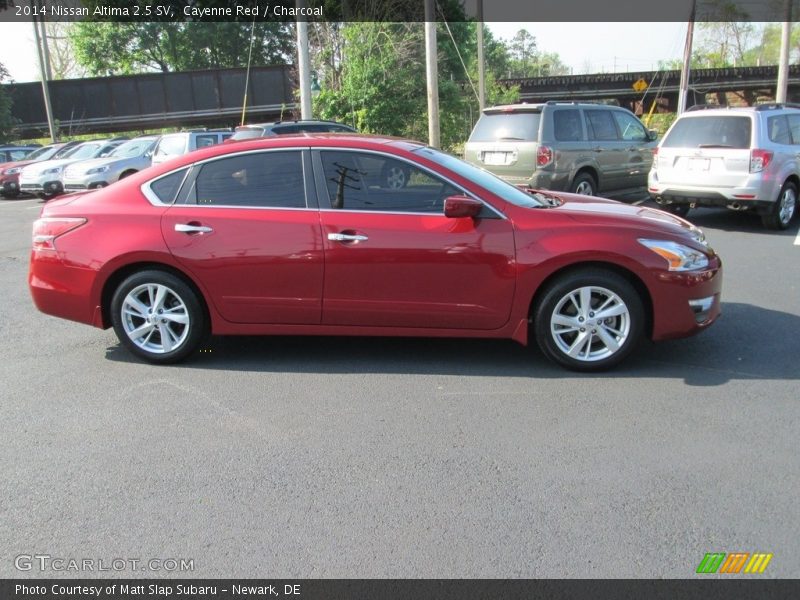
{"points": [[178, 144], [567, 146], [735, 158]]}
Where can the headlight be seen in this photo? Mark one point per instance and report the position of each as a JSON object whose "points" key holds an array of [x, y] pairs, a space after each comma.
{"points": [[679, 257], [97, 170], [13, 171], [52, 171]]}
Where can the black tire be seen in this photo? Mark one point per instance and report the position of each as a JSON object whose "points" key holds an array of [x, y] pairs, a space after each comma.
{"points": [[394, 177], [127, 174], [783, 209], [179, 300], [584, 184], [625, 329], [679, 210], [9, 195]]}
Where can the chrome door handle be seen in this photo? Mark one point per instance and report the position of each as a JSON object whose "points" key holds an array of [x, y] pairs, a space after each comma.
{"points": [[184, 228], [343, 237]]}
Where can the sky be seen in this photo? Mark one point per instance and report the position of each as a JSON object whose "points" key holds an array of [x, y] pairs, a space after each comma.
{"points": [[602, 47]]}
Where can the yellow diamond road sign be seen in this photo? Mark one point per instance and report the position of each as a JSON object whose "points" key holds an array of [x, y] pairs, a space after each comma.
{"points": [[640, 85]]}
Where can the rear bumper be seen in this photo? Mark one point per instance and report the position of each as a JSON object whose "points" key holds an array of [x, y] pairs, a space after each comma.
{"points": [[541, 180], [61, 290], [686, 303], [755, 193]]}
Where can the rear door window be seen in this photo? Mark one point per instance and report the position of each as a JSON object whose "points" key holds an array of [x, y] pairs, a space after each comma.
{"points": [[778, 128], [567, 125], [264, 179], [709, 132], [512, 126], [600, 125], [206, 140], [794, 128]]}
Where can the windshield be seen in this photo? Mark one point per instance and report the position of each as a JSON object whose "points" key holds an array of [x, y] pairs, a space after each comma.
{"points": [[42, 153], [83, 151], [247, 133], [133, 148], [494, 184]]}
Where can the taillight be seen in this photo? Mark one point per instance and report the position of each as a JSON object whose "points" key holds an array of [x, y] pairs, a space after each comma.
{"points": [[47, 229], [759, 159], [544, 156]]}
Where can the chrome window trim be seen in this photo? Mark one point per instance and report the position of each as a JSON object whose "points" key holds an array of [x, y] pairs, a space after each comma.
{"points": [[151, 196], [415, 165]]}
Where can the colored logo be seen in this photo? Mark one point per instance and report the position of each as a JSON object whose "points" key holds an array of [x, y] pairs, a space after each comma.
{"points": [[719, 562]]}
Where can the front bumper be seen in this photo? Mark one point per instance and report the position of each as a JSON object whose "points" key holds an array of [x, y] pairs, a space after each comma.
{"points": [[41, 186], [685, 303], [86, 182]]}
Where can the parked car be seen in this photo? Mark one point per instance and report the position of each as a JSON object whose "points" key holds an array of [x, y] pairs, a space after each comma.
{"points": [[737, 158], [44, 178], [249, 132], [580, 147], [177, 144], [12, 153], [285, 236], [9, 172], [127, 159]]}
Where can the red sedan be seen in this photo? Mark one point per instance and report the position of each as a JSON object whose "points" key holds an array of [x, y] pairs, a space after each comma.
{"points": [[308, 235]]}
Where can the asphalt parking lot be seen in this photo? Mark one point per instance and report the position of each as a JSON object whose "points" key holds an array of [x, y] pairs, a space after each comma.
{"points": [[357, 457]]}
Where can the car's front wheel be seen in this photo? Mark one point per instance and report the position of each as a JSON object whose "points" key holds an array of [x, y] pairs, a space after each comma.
{"points": [[589, 320], [158, 317], [782, 211]]}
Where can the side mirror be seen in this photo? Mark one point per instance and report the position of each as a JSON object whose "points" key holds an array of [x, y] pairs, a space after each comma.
{"points": [[652, 135], [456, 207]]}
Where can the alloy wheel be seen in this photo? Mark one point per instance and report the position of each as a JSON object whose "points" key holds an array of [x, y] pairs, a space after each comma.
{"points": [[155, 318], [590, 323]]}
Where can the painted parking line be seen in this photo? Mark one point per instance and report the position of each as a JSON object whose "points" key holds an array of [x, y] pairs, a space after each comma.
{"points": [[797, 239]]}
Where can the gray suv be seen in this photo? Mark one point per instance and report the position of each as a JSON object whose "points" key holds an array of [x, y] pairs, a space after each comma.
{"points": [[736, 158], [567, 146]]}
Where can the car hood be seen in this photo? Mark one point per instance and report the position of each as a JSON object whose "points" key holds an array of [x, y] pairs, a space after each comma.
{"points": [[15, 165], [93, 163], [599, 211], [38, 167]]}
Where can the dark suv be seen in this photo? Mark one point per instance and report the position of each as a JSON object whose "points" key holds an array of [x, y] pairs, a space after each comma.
{"points": [[249, 132], [567, 146]]}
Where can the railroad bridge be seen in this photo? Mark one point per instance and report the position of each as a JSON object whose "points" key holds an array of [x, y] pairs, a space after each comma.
{"points": [[214, 98], [750, 84]]}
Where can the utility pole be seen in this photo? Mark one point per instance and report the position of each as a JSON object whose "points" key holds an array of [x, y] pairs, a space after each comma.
{"points": [[432, 72], [45, 89], [481, 72], [687, 59], [783, 64], [304, 72]]}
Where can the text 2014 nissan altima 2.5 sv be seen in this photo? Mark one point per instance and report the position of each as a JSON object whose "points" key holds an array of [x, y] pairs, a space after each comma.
{"points": [[356, 235]]}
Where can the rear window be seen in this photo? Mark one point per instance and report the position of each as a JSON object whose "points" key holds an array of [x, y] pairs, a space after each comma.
{"points": [[709, 132], [515, 126], [247, 133]]}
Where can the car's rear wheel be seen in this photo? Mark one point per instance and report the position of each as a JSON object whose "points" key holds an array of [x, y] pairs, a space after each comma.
{"points": [[589, 320], [783, 209], [158, 317], [584, 184]]}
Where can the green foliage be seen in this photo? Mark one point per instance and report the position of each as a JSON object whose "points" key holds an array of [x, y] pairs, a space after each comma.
{"points": [[376, 79], [127, 48], [6, 120]]}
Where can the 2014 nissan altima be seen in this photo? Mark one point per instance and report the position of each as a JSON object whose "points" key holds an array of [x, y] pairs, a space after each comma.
{"points": [[358, 235]]}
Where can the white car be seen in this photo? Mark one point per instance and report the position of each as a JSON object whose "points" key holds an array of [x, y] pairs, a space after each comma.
{"points": [[44, 178]]}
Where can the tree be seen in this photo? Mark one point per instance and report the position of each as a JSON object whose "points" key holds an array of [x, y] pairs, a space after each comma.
{"points": [[63, 61], [376, 79], [6, 120], [132, 47], [768, 51], [523, 52]]}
